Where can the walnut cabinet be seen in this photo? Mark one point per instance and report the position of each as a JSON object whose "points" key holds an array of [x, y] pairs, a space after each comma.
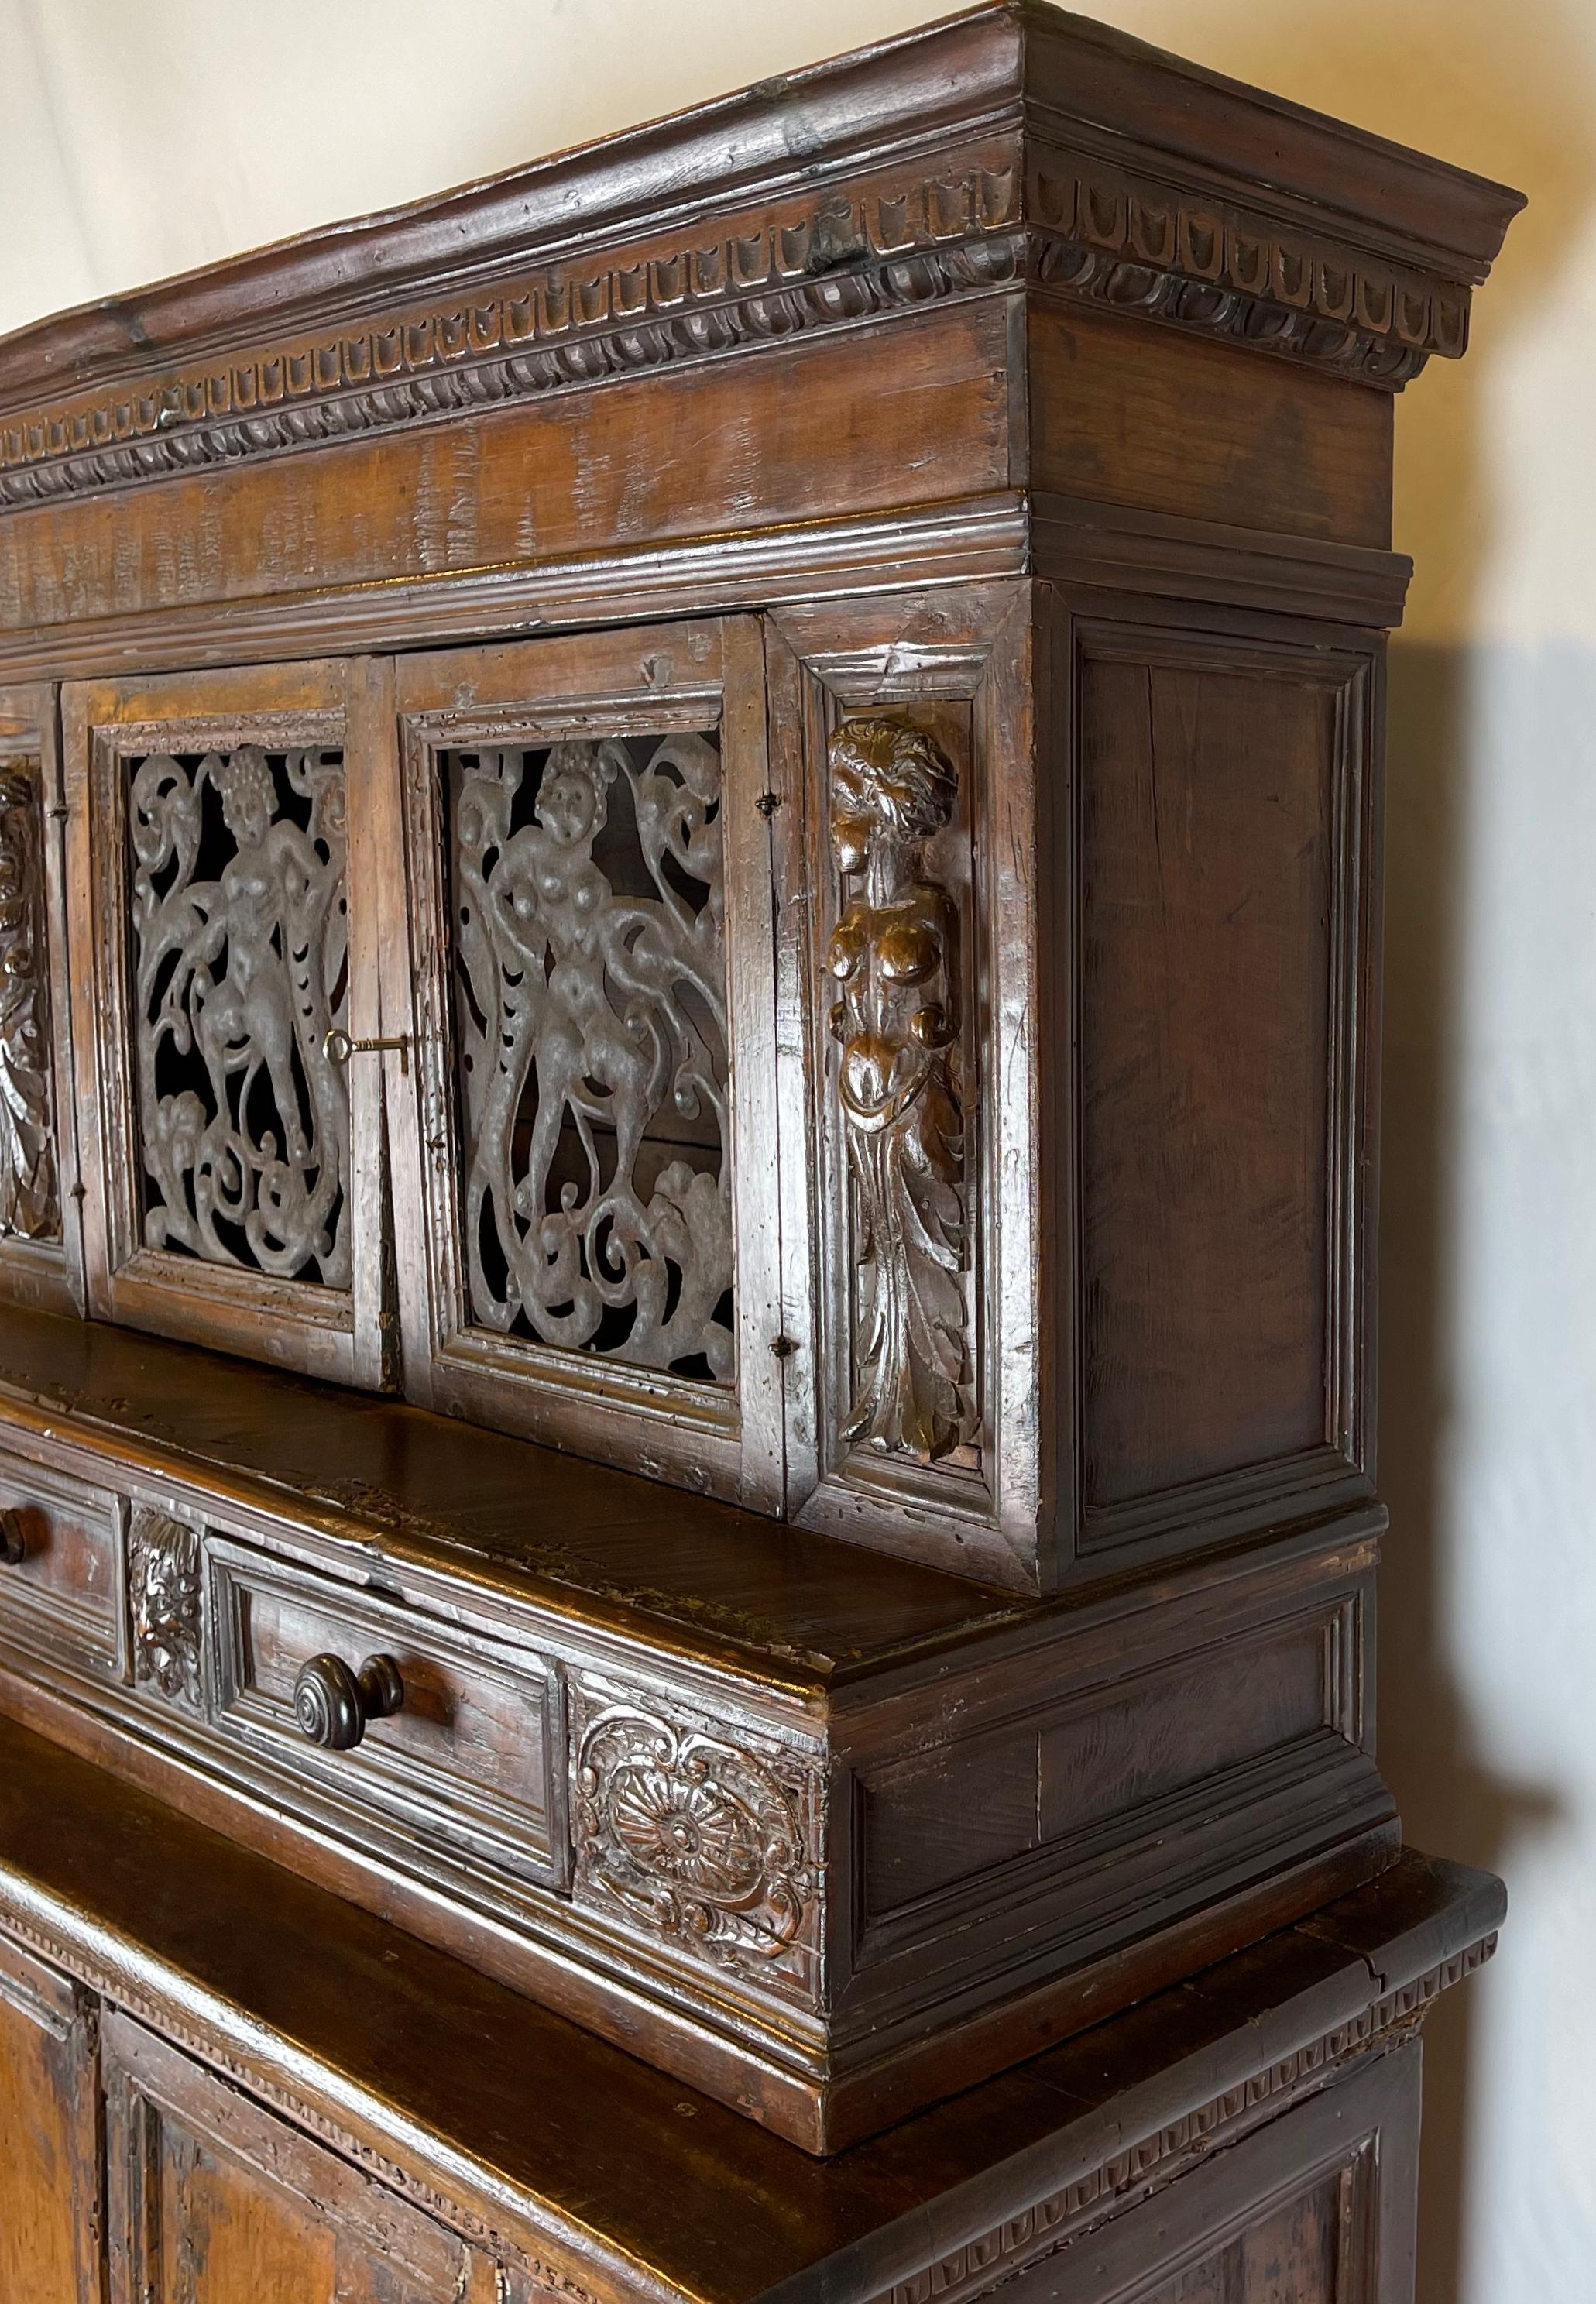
{"points": [[690, 881]]}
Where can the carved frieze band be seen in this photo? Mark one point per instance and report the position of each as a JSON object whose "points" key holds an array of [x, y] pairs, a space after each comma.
{"points": [[1086, 229], [163, 1604], [29, 1192], [1150, 2161], [699, 1839], [894, 958]]}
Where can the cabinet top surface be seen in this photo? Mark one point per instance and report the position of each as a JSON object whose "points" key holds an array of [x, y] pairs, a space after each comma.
{"points": [[606, 1546], [1014, 75], [632, 2181]]}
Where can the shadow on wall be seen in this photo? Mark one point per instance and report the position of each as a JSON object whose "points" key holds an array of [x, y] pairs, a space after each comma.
{"points": [[1510, 93]]}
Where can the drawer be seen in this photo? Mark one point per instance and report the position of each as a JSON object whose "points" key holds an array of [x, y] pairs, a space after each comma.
{"points": [[64, 1593], [472, 1763]]}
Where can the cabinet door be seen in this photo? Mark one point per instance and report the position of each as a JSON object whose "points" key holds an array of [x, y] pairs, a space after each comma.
{"points": [[213, 2200], [41, 1259], [589, 1236], [50, 2221], [221, 924]]}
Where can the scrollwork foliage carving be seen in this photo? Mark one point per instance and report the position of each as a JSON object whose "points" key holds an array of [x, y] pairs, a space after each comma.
{"points": [[894, 956], [591, 1032], [164, 1597], [30, 1192], [694, 1835], [241, 941]]}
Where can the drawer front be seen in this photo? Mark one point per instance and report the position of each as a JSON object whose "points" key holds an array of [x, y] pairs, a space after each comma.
{"points": [[63, 1594], [471, 1762]]}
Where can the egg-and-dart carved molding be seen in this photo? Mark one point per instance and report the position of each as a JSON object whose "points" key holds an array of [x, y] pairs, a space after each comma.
{"points": [[1083, 230]]}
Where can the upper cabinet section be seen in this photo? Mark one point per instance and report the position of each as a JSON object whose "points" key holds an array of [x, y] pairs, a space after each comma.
{"points": [[719, 802], [753, 351]]}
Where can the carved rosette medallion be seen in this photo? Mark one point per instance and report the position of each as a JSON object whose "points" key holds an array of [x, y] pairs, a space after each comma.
{"points": [[163, 1604], [29, 1196], [697, 1837], [894, 958]]}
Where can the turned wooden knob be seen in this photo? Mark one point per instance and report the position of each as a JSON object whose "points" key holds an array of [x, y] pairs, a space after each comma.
{"points": [[333, 1703], [13, 1541]]}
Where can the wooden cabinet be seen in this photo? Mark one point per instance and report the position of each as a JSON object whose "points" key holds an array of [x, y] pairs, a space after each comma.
{"points": [[51, 2224], [690, 975]]}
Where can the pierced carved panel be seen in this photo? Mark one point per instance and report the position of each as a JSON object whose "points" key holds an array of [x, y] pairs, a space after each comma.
{"points": [[699, 1839], [239, 914], [592, 1045], [894, 958], [29, 1189], [163, 1604]]}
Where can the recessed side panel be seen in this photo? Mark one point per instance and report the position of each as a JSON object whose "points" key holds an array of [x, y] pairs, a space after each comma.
{"points": [[1221, 857], [1160, 1759]]}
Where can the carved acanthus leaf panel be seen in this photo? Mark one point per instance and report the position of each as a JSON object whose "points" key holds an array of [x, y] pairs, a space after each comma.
{"points": [[29, 1192], [241, 941], [163, 1604], [701, 1839], [894, 957], [592, 1043]]}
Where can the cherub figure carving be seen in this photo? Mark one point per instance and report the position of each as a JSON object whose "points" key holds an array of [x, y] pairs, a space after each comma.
{"points": [[894, 955]]}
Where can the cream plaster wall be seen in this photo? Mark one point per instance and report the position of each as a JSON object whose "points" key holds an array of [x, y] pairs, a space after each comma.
{"points": [[141, 140]]}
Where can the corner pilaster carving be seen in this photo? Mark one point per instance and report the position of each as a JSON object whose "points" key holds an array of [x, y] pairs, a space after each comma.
{"points": [[894, 956], [30, 1192], [164, 1601]]}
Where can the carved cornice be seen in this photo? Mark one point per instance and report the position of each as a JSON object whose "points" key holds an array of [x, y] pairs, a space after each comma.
{"points": [[842, 259], [1079, 226], [1138, 245]]}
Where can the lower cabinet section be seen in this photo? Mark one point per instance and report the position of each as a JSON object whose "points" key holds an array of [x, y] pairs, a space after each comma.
{"points": [[213, 2200], [133, 2174], [221, 2086]]}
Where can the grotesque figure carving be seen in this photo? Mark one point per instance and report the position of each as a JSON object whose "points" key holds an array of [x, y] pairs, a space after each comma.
{"points": [[164, 1602]]}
